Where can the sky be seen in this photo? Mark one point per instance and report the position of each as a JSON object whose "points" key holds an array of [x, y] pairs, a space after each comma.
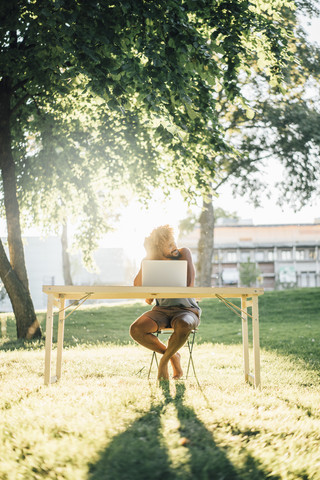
{"points": [[137, 222]]}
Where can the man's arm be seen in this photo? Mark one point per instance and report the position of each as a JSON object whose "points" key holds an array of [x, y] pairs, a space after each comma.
{"points": [[186, 255], [137, 282]]}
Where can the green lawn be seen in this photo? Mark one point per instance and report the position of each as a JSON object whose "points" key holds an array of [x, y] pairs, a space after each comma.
{"points": [[105, 420]]}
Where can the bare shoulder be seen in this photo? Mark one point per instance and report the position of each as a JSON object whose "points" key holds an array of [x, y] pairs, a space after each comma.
{"points": [[185, 253]]}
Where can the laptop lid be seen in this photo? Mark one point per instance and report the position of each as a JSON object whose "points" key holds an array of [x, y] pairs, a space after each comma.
{"points": [[164, 273]]}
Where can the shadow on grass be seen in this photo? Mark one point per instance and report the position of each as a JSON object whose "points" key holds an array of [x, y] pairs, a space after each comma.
{"points": [[9, 345], [142, 452]]}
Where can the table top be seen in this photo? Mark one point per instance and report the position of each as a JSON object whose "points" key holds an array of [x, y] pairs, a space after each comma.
{"points": [[76, 292]]}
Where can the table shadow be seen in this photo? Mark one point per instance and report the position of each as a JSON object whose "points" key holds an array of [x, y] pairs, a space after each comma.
{"points": [[141, 452]]}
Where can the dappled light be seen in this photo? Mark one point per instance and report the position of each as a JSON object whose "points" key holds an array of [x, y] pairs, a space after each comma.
{"points": [[201, 117]]}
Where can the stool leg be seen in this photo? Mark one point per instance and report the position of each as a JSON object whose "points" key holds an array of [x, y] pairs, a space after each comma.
{"points": [[154, 357], [190, 347]]}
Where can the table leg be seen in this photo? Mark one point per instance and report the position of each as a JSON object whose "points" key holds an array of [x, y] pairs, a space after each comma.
{"points": [[60, 337], [245, 341], [256, 341], [48, 345]]}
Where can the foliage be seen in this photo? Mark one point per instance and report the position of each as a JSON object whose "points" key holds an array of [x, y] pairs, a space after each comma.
{"points": [[249, 273], [157, 62], [153, 65], [282, 130], [188, 224]]}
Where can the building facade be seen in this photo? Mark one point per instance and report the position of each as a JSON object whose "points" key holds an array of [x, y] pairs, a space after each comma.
{"points": [[44, 266], [285, 255]]}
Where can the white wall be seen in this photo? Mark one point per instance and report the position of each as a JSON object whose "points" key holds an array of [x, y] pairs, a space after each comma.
{"points": [[44, 265]]}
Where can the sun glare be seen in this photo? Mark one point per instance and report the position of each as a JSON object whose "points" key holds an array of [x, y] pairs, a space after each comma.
{"points": [[137, 222]]}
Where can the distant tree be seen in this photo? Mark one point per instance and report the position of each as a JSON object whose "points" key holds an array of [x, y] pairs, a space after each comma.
{"points": [[66, 267], [280, 124], [206, 220], [249, 273]]}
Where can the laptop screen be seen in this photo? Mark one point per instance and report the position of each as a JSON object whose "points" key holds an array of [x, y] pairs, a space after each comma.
{"points": [[164, 273]]}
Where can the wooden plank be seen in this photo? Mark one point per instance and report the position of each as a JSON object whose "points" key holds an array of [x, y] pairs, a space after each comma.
{"points": [[256, 341], [124, 292], [245, 338], [60, 337]]}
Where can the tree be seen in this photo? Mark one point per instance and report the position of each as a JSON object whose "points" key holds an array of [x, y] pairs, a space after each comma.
{"points": [[66, 267], [205, 222], [280, 124], [155, 60], [284, 127], [249, 273]]}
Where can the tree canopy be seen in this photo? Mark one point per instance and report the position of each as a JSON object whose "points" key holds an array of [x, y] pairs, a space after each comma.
{"points": [[284, 123], [88, 81], [275, 125]]}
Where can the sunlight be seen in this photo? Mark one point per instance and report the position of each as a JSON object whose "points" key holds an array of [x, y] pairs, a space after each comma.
{"points": [[137, 222]]}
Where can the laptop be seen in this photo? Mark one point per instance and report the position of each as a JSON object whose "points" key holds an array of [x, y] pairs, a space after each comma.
{"points": [[164, 273]]}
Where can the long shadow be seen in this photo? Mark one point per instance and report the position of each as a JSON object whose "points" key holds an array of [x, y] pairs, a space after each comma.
{"points": [[141, 452], [134, 453], [207, 459]]}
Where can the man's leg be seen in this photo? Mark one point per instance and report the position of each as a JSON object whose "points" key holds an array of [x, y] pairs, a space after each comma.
{"points": [[142, 332], [183, 324]]}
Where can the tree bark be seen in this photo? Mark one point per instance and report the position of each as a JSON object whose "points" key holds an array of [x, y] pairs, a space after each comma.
{"points": [[65, 255], [205, 244], [26, 321], [14, 273]]}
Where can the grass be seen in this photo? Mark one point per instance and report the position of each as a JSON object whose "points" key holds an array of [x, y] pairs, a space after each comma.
{"points": [[105, 420]]}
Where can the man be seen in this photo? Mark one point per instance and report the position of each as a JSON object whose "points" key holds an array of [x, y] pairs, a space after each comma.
{"points": [[181, 314]]}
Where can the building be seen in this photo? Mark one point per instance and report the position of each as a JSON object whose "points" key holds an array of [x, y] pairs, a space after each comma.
{"points": [[286, 255], [43, 258]]}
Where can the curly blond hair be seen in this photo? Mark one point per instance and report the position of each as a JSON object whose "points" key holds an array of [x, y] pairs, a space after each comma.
{"points": [[158, 237]]}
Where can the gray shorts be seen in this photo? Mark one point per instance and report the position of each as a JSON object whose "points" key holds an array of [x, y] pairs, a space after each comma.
{"points": [[166, 316]]}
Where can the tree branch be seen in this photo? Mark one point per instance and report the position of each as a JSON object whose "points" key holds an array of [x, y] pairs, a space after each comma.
{"points": [[18, 85], [19, 103], [233, 171]]}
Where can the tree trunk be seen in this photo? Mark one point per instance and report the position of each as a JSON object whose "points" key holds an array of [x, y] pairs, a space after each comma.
{"points": [[65, 256], [26, 321], [205, 245], [14, 274]]}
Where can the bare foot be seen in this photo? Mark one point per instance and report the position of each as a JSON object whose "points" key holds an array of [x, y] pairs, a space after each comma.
{"points": [[176, 366]]}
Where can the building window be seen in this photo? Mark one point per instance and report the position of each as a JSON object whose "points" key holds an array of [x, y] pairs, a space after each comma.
{"points": [[300, 254], [308, 279], [244, 256], [231, 256], [260, 256], [286, 255], [312, 254], [270, 255]]}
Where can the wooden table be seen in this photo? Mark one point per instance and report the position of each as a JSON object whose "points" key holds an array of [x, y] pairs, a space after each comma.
{"points": [[58, 294]]}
